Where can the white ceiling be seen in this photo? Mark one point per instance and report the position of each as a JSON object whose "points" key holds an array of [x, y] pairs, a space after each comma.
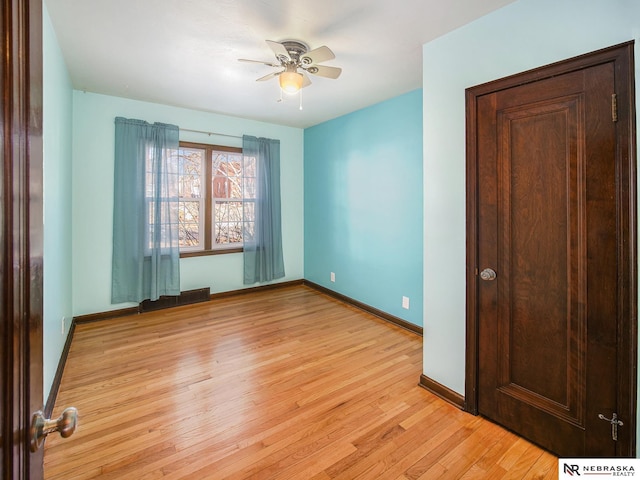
{"points": [[185, 52]]}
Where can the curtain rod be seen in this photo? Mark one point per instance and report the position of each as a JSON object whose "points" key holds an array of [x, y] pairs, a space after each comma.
{"points": [[210, 133]]}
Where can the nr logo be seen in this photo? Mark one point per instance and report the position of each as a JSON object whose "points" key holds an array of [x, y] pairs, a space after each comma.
{"points": [[571, 469]]}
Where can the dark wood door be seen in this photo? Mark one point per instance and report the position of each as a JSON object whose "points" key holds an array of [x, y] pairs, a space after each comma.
{"points": [[554, 222], [21, 261]]}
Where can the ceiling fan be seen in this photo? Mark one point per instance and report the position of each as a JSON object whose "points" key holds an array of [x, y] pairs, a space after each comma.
{"points": [[296, 60]]}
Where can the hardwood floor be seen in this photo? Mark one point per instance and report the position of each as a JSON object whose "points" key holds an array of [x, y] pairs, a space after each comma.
{"points": [[282, 384]]}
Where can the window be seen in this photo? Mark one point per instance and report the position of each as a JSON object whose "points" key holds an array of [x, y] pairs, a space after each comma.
{"points": [[217, 194]]}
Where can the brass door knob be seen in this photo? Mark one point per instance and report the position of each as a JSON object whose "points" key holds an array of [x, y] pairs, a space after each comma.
{"points": [[41, 427], [488, 274]]}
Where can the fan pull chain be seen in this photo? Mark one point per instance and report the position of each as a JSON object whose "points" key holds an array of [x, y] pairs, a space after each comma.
{"points": [[300, 93]]}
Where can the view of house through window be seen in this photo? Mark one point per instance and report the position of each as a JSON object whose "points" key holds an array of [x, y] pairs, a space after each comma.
{"points": [[217, 191]]}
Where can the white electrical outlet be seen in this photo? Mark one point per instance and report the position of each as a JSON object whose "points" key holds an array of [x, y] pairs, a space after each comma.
{"points": [[333, 277], [405, 302], [62, 331]]}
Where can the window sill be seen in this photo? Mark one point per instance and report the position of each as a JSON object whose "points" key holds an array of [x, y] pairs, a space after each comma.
{"points": [[206, 253]]}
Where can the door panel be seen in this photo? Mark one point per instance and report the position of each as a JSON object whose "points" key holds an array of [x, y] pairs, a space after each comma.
{"points": [[548, 219], [540, 253]]}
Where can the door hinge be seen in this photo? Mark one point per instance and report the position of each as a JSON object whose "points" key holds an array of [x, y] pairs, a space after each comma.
{"points": [[614, 107]]}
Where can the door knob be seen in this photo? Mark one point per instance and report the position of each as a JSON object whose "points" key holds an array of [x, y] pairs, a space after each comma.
{"points": [[615, 423], [488, 274], [41, 427]]}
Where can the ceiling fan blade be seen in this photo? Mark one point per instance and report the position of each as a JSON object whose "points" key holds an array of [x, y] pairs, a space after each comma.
{"points": [[325, 71], [306, 81], [270, 64], [268, 77], [317, 55], [279, 50]]}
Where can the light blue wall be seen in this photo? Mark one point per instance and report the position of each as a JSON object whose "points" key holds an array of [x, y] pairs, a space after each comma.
{"points": [[57, 98], [93, 147], [518, 37], [363, 205]]}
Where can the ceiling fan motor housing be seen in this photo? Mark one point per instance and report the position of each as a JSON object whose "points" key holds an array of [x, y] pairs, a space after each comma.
{"points": [[296, 49]]}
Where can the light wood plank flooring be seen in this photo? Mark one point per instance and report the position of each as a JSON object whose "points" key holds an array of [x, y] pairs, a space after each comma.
{"points": [[280, 384]]}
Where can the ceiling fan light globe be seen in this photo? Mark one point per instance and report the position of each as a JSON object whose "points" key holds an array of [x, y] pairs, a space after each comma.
{"points": [[290, 82]]}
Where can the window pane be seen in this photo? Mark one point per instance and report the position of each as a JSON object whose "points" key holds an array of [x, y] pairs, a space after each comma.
{"points": [[227, 175], [158, 226], [220, 187], [235, 232], [249, 187], [218, 160], [234, 164], [235, 187], [227, 227], [249, 168], [249, 177], [235, 211], [249, 231], [189, 227], [220, 180], [222, 233], [191, 171], [221, 211]]}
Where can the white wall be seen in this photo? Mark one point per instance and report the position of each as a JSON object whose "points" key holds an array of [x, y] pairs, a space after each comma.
{"points": [[521, 36], [57, 95], [93, 147]]}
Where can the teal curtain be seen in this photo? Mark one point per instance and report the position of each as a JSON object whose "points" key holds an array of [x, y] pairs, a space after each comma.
{"points": [[262, 231], [146, 252]]}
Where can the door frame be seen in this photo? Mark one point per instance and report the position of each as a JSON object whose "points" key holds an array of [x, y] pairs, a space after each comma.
{"points": [[622, 57]]}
